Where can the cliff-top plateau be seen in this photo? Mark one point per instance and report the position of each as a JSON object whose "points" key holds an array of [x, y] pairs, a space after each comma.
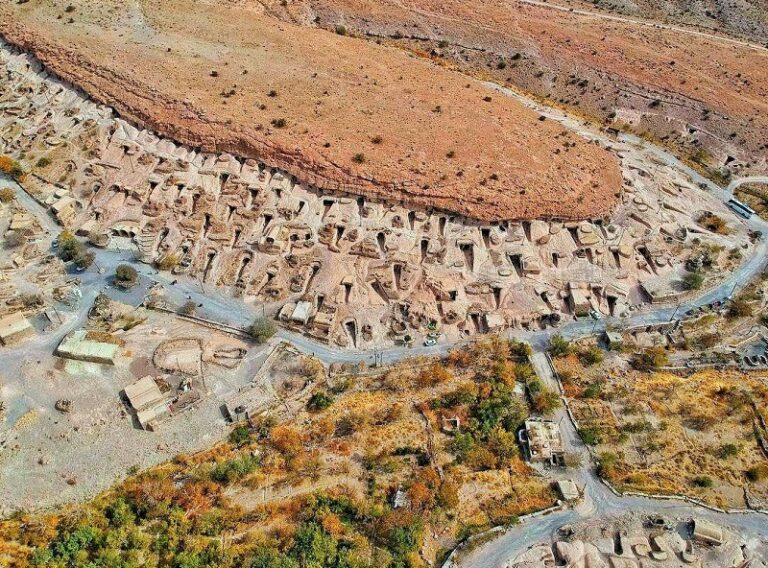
{"points": [[337, 112]]}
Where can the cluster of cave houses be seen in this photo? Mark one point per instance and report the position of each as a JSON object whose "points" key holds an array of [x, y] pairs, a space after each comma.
{"points": [[631, 541], [342, 268]]}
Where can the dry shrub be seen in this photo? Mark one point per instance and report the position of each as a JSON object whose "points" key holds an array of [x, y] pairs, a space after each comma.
{"points": [[322, 430], [340, 447], [332, 525], [286, 440], [433, 375]]}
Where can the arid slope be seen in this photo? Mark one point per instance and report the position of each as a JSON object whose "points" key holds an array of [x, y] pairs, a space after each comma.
{"points": [[337, 112], [705, 95]]}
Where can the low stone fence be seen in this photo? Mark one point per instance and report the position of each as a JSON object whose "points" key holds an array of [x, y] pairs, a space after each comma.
{"points": [[218, 326]]}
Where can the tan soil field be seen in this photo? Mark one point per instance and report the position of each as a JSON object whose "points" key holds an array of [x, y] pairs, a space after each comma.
{"points": [[336, 112], [668, 432]]}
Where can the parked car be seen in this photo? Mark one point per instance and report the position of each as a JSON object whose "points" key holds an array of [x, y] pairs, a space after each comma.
{"points": [[595, 315]]}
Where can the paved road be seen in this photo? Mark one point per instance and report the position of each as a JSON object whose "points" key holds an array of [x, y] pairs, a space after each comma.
{"points": [[741, 181]]}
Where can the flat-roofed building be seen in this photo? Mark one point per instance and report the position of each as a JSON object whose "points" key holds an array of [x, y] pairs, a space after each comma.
{"points": [[147, 400], [543, 441], [14, 328]]}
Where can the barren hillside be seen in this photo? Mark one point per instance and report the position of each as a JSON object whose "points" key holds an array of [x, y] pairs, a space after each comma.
{"points": [[704, 95], [336, 112]]}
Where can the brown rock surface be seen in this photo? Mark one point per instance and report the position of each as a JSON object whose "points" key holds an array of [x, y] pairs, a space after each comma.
{"points": [[203, 74]]}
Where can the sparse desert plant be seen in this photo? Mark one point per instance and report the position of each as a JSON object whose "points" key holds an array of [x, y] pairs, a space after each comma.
{"points": [[758, 472], [319, 401], [168, 261], [126, 276], [7, 195], [591, 355], [188, 309], [713, 223], [739, 308], [728, 451], [84, 259], [15, 239]]}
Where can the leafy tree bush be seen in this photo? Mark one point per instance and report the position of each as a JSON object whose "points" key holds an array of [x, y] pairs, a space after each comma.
{"points": [[607, 464], [591, 355], [12, 168], [650, 359], [262, 330], [433, 375], [228, 471], [319, 401], [591, 435], [545, 402], [559, 346], [693, 281], [126, 275], [7, 195], [703, 481]]}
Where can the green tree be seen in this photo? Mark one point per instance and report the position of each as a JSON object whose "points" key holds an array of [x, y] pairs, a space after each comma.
{"points": [[267, 557], [693, 281], [69, 247], [262, 330], [319, 401], [650, 359], [240, 436], [313, 547], [84, 259], [559, 346]]}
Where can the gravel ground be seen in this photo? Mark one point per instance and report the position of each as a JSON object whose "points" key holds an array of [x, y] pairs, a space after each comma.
{"points": [[49, 458]]}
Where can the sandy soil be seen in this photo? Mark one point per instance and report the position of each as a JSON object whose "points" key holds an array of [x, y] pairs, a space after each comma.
{"points": [[358, 117]]}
